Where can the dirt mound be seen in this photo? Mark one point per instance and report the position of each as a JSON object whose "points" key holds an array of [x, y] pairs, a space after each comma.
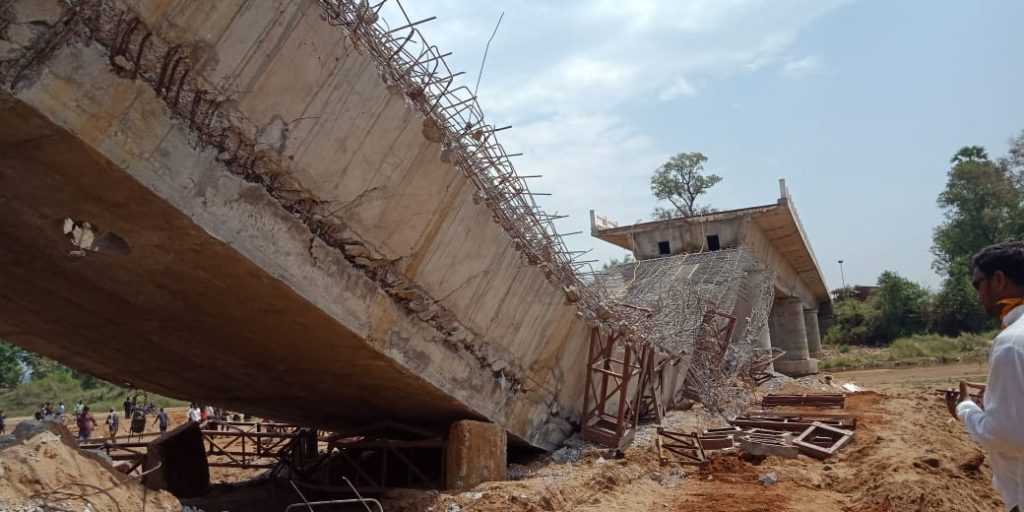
{"points": [[911, 455], [46, 468]]}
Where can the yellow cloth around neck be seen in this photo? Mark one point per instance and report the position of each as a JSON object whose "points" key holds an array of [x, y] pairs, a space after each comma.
{"points": [[1008, 305]]}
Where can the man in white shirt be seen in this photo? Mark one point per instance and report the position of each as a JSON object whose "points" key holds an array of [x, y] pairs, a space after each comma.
{"points": [[193, 413], [999, 427]]}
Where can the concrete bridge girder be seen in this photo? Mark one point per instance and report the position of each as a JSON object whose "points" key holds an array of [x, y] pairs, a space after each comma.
{"points": [[294, 238]]}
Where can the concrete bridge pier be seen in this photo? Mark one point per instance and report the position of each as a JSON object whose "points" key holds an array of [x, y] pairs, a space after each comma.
{"points": [[813, 333], [764, 341], [789, 333]]}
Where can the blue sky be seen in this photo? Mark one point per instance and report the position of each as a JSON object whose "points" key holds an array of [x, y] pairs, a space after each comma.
{"points": [[858, 104]]}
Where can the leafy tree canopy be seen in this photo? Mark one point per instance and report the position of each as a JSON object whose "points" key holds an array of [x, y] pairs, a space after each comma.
{"points": [[981, 204], [681, 181]]}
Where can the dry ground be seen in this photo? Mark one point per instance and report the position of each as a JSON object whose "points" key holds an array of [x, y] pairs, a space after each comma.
{"points": [[908, 454]]}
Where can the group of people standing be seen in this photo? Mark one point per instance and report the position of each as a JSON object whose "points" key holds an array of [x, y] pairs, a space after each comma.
{"points": [[198, 413], [47, 411], [137, 415]]}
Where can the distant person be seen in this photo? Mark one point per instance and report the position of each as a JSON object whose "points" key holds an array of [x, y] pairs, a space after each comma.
{"points": [[999, 425], [113, 422], [79, 407], [162, 420], [60, 410], [193, 413], [86, 424], [47, 410], [127, 407], [3, 423], [203, 414]]}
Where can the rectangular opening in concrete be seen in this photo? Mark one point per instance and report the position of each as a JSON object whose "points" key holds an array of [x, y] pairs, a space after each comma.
{"points": [[713, 243], [664, 248]]}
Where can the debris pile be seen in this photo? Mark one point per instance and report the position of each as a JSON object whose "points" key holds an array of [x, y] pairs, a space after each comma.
{"points": [[42, 469], [781, 432], [676, 328]]}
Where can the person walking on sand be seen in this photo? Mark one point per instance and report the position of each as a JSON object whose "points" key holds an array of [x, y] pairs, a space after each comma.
{"points": [[162, 420], [3, 423], [997, 423], [86, 424], [113, 422]]}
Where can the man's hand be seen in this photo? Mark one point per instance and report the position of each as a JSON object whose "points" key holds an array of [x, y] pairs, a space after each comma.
{"points": [[965, 393], [965, 385], [952, 399]]}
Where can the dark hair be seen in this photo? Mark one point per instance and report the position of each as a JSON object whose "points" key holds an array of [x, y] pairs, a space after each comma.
{"points": [[1007, 257]]}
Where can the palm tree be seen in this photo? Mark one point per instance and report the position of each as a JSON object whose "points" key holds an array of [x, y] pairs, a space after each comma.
{"points": [[969, 154]]}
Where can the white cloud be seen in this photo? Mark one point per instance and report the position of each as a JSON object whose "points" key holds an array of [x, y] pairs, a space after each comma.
{"points": [[588, 162], [570, 75], [802, 67], [681, 88]]}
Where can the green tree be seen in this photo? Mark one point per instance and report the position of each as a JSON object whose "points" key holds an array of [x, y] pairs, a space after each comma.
{"points": [[854, 323], [681, 181], [41, 367], [11, 371], [981, 204], [956, 308], [1014, 159], [902, 307], [969, 154]]}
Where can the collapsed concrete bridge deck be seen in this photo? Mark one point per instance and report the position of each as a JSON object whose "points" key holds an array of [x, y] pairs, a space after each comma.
{"points": [[231, 204], [782, 250]]}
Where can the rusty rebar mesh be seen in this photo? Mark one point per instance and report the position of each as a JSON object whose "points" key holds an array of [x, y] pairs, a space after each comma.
{"points": [[664, 302], [713, 377], [410, 65], [705, 309]]}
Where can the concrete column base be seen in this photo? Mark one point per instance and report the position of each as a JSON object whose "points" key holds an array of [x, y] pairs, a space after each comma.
{"points": [[797, 368], [477, 453]]}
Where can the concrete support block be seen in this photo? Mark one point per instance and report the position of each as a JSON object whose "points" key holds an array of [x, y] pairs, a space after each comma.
{"points": [[765, 447], [789, 333], [813, 332], [183, 469], [476, 453]]}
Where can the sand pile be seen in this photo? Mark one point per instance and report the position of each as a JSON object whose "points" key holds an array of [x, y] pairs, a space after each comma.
{"points": [[42, 469]]}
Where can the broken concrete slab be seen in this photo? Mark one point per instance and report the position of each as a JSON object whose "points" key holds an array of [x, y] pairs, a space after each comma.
{"points": [[242, 220], [765, 447]]}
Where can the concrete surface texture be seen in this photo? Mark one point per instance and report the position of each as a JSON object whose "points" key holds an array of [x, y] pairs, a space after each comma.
{"points": [[789, 333], [813, 333], [476, 453], [228, 204]]}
